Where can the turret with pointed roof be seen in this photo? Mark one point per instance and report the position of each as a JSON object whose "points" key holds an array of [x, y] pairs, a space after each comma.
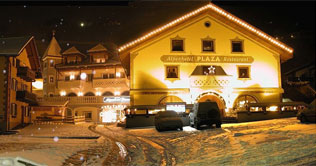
{"points": [[53, 49]]}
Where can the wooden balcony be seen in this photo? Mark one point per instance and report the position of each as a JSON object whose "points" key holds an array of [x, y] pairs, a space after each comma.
{"points": [[27, 97], [114, 82], [26, 74]]}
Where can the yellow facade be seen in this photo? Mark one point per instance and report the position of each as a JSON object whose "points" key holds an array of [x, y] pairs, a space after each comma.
{"points": [[148, 61]]}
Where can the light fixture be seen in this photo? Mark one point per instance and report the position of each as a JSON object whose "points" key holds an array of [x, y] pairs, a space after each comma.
{"points": [[117, 93], [118, 74], [80, 94], [197, 11], [83, 76], [72, 77], [63, 93], [98, 93]]}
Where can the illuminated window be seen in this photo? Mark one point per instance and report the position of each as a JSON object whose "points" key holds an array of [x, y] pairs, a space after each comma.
{"points": [[14, 110], [172, 72], [177, 45], [51, 63], [237, 46], [243, 72], [14, 84], [51, 79], [208, 45], [242, 100]]}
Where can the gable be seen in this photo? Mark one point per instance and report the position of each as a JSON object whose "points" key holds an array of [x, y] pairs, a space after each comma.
{"points": [[217, 13]]}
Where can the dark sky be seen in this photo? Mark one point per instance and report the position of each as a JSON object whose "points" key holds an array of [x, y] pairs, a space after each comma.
{"points": [[86, 24]]}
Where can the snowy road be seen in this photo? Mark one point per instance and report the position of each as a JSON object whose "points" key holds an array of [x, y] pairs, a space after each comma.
{"points": [[271, 142]]}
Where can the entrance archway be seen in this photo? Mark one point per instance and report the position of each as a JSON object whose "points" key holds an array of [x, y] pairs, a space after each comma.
{"points": [[213, 97]]}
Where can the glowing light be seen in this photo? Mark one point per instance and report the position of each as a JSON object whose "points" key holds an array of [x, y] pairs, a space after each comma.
{"points": [[80, 94], [72, 77], [38, 84], [273, 108], [118, 74], [108, 116], [117, 93], [197, 11], [56, 139], [83, 76], [62, 93], [98, 93], [82, 24]]}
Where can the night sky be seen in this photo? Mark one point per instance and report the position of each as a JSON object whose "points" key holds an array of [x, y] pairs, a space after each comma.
{"points": [[115, 23]]}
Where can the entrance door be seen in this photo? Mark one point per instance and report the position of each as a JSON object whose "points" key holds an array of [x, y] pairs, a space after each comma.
{"points": [[214, 98], [23, 114]]}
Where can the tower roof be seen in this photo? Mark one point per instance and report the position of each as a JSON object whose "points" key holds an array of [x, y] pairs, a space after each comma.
{"points": [[97, 48], [53, 49]]}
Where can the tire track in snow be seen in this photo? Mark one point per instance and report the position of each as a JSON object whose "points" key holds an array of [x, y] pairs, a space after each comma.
{"points": [[118, 152], [166, 157]]}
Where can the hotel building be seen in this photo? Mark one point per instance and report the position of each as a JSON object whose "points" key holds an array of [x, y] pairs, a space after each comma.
{"points": [[19, 66], [90, 84], [206, 55]]}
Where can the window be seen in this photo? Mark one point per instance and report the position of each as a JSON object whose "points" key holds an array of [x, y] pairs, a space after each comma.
{"points": [[51, 63], [172, 72], [51, 94], [14, 84], [90, 77], [45, 64], [243, 72], [208, 45], [237, 46], [242, 100], [111, 75], [44, 80], [67, 78], [177, 45], [24, 87], [14, 110], [13, 62], [28, 111], [105, 76], [51, 79]]}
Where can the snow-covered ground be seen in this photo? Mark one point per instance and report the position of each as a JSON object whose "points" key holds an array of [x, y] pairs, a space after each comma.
{"points": [[270, 142]]}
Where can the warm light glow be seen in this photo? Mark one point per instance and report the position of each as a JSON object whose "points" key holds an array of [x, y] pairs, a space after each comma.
{"points": [[80, 94], [83, 76], [98, 93], [38, 84], [72, 77], [197, 11], [62, 93], [177, 108], [118, 74], [108, 116], [273, 108], [117, 93]]}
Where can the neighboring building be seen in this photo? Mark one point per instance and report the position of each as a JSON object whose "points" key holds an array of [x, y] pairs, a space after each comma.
{"points": [[19, 65], [93, 83], [206, 55]]}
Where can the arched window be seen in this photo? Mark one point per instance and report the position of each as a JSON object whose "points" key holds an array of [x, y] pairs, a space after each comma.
{"points": [[89, 94], [169, 99], [72, 94], [242, 100], [125, 93], [107, 94]]}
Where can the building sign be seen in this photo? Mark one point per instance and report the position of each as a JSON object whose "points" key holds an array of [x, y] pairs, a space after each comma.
{"points": [[177, 107], [205, 59], [116, 99]]}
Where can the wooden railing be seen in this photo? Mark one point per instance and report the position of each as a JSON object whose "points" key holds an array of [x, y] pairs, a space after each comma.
{"points": [[76, 100]]}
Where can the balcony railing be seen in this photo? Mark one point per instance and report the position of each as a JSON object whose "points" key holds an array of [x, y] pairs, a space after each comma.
{"points": [[26, 96], [114, 82], [26, 74], [83, 99]]}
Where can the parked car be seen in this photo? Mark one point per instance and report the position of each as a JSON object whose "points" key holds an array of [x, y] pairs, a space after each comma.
{"points": [[165, 120], [308, 114], [205, 113]]}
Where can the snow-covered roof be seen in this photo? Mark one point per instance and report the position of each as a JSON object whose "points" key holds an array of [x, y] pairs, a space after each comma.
{"points": [[97, 48], [72, 50], [53, 49]]}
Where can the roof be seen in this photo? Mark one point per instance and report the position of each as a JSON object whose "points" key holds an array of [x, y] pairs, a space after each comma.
{"points": [[13, 46], [213, 8], [285, 51], [53, 49], [97, 48], [72, 50]]}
